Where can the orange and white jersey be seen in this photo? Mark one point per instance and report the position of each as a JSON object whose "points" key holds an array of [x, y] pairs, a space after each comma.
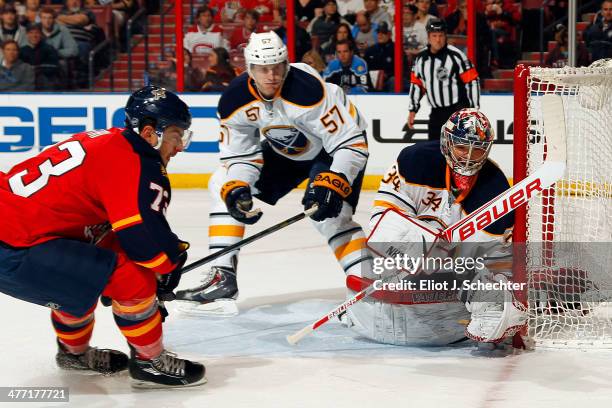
{"points": [[305, 117]]}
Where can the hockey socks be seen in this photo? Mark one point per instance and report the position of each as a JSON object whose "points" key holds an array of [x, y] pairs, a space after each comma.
{"points": [[140, 323]]}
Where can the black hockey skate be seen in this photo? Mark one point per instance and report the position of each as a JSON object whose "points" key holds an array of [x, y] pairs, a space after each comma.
{"points": [[165, 371], [216, 295], [105, 361]]}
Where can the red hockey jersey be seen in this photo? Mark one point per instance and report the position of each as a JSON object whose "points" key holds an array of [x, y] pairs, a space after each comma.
{"points": [[94, 177]]}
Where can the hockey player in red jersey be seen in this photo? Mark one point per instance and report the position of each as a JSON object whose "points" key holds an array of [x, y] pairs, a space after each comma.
{"points": [[86, 217]]}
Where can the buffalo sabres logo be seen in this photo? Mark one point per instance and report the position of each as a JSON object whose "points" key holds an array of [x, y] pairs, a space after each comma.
{"points": [[158, 94], [286, 139], [442, 73]]}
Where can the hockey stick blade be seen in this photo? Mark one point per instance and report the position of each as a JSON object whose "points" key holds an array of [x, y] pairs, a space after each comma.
{"points": [[248, 240], [519, 194]]}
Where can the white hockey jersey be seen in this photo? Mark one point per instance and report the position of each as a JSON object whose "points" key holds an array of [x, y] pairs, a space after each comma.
{"points": [[306, 117], [419, 184]]}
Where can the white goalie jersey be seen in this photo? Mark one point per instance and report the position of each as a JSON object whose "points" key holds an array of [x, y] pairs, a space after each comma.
{"points": [[306, 117], [419, 184]]}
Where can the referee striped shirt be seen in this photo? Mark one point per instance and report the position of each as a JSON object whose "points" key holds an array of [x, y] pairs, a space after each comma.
{"points": [[447, 77]]}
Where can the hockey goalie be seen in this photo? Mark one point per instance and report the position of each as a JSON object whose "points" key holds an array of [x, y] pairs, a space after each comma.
{"points": [[432, 292]]}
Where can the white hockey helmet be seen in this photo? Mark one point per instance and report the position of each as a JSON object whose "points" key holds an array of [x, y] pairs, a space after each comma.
{"points": [[265, 49]]}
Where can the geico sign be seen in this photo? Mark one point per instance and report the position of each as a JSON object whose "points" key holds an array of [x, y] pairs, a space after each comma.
{"points": [[36, 127]]}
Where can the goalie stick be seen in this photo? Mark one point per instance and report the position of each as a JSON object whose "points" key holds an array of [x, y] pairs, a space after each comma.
{"points": [[519, 194]]}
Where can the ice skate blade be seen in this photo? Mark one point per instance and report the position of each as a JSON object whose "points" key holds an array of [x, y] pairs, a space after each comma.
{"points": [[147, 385], [218, 308]]}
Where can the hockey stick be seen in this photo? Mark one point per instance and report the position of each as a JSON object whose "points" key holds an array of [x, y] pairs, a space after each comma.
{"points": [[246, 241], [519, 194]]}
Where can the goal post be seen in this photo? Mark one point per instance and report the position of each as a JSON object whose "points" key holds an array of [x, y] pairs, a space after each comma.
{"points": [[563, 238]]}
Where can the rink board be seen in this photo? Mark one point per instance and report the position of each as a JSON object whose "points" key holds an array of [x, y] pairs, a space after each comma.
{"points": [[30, 122]]}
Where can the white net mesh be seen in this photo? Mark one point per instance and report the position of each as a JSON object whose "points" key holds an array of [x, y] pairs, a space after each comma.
{"points": [[569, 229]]}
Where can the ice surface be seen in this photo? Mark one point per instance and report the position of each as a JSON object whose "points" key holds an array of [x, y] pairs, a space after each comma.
{"points": [[286, 281]]}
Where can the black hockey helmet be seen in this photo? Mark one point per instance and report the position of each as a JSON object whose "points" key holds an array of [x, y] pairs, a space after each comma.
{"points": [[436, 25], [161, 106]]}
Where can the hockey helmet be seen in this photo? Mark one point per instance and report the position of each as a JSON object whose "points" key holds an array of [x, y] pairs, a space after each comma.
{"points": [[161, 106], [265, 49], [436, 25], [465, 140]]}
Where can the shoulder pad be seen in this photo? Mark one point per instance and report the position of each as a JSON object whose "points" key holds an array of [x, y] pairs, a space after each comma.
{"points": [[423, 164], [235, 96], [302, 88]]}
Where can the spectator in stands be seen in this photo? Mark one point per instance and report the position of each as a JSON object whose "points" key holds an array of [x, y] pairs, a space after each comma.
{"points": [[205, 35], [530, 24], [30, 14], [57, 35], [343, 32], [240, 35], [364, 32], [302, 39], [122, 11], [42, 57], [377, 14], [557, 8], [10, 29], [220, 73], [381, 55], [502, 23], [268, 10], [348, 9], [557, 58], [165, 74], [15, 75], [305, 10], [423, 15], [81, 23], [225, 11], [457, 25], [415, 35], [314, 59], [598, 35], [348, 71], [325, 25]]}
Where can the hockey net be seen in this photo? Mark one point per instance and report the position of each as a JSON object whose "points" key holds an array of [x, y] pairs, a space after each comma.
{"points": [[568, 229]]}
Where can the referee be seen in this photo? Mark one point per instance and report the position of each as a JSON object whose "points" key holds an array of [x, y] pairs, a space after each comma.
{"points": [[446, 75]]}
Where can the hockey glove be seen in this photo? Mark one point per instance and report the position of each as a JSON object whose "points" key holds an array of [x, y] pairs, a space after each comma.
{"points": [[328, 190], [167, 282], [239, 201]]}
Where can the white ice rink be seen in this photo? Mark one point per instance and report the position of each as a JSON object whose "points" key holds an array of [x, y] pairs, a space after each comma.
{"points": [[286, 281]]}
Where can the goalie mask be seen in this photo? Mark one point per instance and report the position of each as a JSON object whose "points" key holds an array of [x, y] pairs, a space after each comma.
{"points": [[466, 140], [161, 107]]}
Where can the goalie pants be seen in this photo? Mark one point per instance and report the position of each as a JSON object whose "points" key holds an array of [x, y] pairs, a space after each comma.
{"points": [[278, 177], [69, 276]]}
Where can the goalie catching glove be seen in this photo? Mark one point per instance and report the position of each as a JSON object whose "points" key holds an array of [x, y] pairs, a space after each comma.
{"points": [[167, 282], [492, 322], [239, 201], [328, 190]]}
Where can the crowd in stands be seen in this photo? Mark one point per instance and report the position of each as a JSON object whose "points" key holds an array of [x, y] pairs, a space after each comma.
{"points": [[350, 42], [53, 41]]}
